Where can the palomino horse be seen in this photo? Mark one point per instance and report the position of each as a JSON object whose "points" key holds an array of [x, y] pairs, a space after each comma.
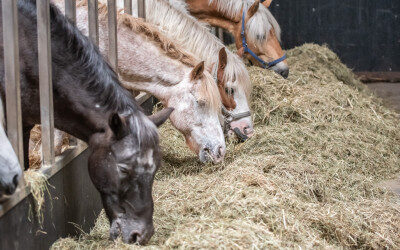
{"points": [[149, 62], [256, 31], [10, 170], [91, 104], [196, 38]]}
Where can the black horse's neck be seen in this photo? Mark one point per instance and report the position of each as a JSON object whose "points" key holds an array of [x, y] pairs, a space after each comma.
{"points": [[86, 89]]}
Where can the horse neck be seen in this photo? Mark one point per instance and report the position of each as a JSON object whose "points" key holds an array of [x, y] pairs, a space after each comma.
{"points": [[211, 14], [142, 64]]}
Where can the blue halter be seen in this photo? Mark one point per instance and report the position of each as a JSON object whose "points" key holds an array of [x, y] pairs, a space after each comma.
{"points": [[246, 49]]}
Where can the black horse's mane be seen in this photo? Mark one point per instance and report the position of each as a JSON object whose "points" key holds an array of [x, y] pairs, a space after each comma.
{"points": [[79, 55]]}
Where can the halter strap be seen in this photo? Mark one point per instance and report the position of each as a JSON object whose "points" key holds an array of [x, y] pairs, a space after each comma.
{"points": [[265, 65]]}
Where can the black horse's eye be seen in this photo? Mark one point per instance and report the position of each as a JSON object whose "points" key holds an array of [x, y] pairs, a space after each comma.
{"points": [[124, 169], [230, 91]]}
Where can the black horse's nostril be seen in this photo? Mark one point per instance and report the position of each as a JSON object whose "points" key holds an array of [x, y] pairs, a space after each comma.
{"points": [[134, 237]]}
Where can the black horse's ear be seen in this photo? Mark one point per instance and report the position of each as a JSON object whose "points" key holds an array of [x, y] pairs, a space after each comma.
{"points": [[117, 125], [160, 117]]}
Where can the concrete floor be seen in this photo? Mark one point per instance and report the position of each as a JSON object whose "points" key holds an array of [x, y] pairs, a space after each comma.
{"points": [[390, 93]]}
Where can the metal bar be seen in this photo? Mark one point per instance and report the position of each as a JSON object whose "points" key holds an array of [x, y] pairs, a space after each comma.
{"points": [[45, 82], [128, 7], [112, 34], [220, 32], [61, 161], [12, 84], [142, 9], [70, 10], [93, 21], [142, 97]]}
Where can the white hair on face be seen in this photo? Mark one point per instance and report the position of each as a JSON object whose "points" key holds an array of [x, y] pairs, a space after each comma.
{"points": [[196, 38], [259, 25]]}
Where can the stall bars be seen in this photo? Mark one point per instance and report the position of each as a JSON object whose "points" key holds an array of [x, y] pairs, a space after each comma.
{"points": [[50, 164]]}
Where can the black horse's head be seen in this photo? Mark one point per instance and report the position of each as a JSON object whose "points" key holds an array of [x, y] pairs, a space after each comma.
{"points": [[122, 166]]}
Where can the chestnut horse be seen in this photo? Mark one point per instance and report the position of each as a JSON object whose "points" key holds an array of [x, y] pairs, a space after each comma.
{"points": [[256, 31], [10, 170], [148, 61], [91, 104]]}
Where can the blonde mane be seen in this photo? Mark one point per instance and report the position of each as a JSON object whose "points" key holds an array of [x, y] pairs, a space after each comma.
{"points": [[196, 37], [208, 90], [259, 26]]}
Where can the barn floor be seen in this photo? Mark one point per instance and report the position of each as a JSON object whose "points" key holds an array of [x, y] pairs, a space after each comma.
{"points": [[309, 178], [389, 92]]}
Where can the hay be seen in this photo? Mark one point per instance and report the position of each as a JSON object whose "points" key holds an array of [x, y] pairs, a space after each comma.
{"points": [[61, 141], [38, 185], [308, 178]]}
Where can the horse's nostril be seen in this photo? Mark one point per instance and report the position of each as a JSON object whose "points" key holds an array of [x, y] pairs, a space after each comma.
{"points": [[15, 180], [220, 151], [248, 130], [10, 189], [284, 73], [134, 237]]}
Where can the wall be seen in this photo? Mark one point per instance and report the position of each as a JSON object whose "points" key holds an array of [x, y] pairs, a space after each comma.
{"points": [[365, 33]]}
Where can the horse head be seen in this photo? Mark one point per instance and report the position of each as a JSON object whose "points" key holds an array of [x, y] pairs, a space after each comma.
{"points": [[197, 107], [259, 30], [122, 165]]}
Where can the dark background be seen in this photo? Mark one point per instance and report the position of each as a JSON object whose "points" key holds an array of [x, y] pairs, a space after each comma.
{"points": [[364, 33]]}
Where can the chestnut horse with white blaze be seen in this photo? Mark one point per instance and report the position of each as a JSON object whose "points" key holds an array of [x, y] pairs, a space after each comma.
{"points": [[148, 61], [256, 31]]}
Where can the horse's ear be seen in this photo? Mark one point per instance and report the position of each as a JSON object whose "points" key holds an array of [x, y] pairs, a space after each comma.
{"points": [[117, 125], [266, 3], [197, 72], [160, 117], [253, 9], [223, 58]]}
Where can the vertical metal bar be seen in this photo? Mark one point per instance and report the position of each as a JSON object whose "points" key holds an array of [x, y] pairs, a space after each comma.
{"points": [[220, 32], [128, 7], [112, 34], [45, 82], [142, 9], [70, 10], [12, 84], [93, 21]]}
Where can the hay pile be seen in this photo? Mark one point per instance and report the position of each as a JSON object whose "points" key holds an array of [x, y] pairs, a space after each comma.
{"points": [[308, 178]]}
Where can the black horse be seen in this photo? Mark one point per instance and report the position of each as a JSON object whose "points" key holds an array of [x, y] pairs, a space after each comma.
{"points": [[90, 104]]}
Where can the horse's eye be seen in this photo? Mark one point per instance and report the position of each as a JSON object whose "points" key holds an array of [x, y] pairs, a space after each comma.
{"points": [[201, 103], [260, 37], [230, 91], [124, 168]]}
